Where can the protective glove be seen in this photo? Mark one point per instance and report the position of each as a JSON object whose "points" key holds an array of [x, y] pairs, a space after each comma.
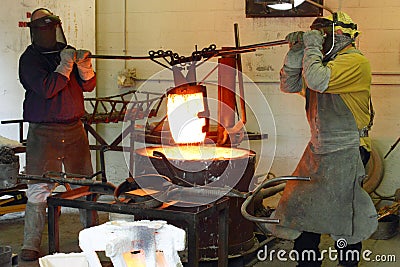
{"points": [[295, 38], [84, 63], [295, 54], [313, 38], [67, 62]]}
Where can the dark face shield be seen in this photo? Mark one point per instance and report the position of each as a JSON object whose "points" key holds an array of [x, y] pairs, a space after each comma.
{"points": [[326, 26], [47, 33], [334, 42]]}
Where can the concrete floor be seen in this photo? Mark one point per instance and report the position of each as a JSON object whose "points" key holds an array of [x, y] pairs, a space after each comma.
{"points": [[380, 248], [11, 234], [12, 228]]}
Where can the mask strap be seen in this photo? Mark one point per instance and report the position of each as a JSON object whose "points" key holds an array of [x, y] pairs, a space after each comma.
{"points": [[334, 15]]}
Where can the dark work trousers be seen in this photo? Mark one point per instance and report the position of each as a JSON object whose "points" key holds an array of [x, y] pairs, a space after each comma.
{"points": [[308, 241]]}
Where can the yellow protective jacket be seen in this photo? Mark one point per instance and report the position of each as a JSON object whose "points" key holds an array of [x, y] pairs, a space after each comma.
{"points": [[351, 79]]}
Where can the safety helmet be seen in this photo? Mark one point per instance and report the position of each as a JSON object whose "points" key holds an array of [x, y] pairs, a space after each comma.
{"points": [[342, 22], [46, 31]]}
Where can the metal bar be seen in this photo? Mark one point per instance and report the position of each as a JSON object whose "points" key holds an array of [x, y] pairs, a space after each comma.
{"points": [[120, 137], [21, 132], [119, 57], [250, 48], [206, 54], [61, 180], [223, 237], [95, 107], [53, 229], [266, 184], [193, 243], [240, 76], [95, 134], [132, 138], [11, 121], [103, 164], [392, 148], [91, 215], [76, 193], [21, 128], [320, 6]]}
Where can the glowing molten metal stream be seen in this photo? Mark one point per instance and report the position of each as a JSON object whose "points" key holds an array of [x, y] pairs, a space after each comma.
{"points": [[184, 104], [185, 125]]}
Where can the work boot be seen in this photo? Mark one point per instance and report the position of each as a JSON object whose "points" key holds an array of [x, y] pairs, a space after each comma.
{"points": [[29, 255], [35, 217]]}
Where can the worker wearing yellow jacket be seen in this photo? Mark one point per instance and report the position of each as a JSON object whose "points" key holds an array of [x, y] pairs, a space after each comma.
{"points": [[324, 66]]}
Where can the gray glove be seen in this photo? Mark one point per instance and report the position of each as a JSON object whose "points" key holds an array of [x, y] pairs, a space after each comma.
{"points": [[295, 54], [67, 62], [313, 38], [294, 38], [84, 64]]}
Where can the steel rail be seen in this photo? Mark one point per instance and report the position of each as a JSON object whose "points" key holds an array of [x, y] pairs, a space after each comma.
{"points": [[197, 54]]}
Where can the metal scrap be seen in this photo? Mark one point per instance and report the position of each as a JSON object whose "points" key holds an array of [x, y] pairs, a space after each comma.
{"points": [[7, 155], [387, 210]]}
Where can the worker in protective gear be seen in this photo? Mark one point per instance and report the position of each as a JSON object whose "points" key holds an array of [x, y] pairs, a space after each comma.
{"points": [[54, 76], [324, 66]]}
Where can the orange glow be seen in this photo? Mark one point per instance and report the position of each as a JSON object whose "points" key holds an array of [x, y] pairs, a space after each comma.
{"points": [[198, 152], [139, 260], [184, 123]]}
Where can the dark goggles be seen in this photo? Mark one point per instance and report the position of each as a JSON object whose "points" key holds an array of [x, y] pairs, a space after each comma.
{"points": [[45, 22]]}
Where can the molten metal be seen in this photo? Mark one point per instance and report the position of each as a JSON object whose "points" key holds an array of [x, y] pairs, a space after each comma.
{"points": [[185, 125], [197, 152]]}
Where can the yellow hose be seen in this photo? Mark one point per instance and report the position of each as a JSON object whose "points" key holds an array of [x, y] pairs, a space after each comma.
{"points": [[374, 170]]}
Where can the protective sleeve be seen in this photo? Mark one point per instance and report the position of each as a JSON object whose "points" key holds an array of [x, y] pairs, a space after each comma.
{"points": [[294, 57], [316, 75], [88, 85], [290, 75], [291, 80], [34, 75]]}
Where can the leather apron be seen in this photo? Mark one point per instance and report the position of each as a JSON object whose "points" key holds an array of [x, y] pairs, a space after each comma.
{"points": [[51, 145], [333, 202]]}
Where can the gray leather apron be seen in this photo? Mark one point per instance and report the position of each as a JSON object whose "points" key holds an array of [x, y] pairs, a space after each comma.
{"points": [[333, 202]]}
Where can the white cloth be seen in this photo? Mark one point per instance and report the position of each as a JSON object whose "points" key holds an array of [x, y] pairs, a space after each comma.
{"points": [[119, 237], [38, 193]]}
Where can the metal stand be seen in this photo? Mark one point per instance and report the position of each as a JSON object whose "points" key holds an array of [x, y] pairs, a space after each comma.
{"points": [[187, 218]]}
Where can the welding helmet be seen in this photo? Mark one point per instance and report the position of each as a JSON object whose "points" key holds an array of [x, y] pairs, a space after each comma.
{"points": [[46, 31], [329, 25]]}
